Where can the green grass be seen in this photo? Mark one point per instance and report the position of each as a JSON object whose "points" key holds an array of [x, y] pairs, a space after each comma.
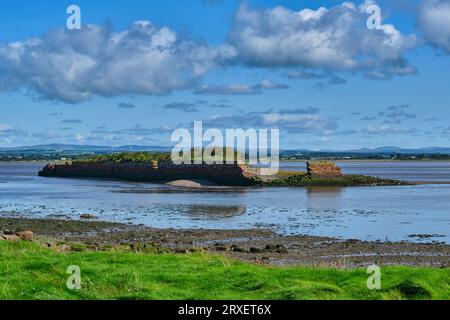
{"points": [[127, 157], [147, 157], [28, 271]]}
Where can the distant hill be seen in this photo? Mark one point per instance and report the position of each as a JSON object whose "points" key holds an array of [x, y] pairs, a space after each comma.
{"points": [[59, 148], [429, 150]]}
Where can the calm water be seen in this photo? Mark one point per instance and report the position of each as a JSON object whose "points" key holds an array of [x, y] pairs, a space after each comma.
{"points": [[370, 213]]}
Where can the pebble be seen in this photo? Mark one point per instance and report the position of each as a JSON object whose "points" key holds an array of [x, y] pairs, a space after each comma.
{"points": [[25, 235], [11, 237]]}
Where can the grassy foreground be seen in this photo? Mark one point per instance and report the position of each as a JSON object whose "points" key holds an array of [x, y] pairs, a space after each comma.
{"points": [[28, 271]]}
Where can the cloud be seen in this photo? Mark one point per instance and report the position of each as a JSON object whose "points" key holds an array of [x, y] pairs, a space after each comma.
{"points": [[393, 114], [270, 85], [336, 80], [74, 65], [289, 120], [434, 22], [182, 106], [445, 131], [240, 89], [8, 131], [136, 130], [220, 105], [230, 89], [308, 110], [329, 79], [124, 105], [46, 135], [333, 80], [306, 75], [191, 107], [397, 114], [335, 39], [54, 114], [380, 130], [72, 121]]}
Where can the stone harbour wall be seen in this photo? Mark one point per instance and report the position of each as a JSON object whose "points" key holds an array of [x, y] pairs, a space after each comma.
{"points": [[223, 174]]}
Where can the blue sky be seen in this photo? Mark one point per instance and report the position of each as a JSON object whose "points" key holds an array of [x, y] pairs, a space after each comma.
{"points": [[139, 69]]}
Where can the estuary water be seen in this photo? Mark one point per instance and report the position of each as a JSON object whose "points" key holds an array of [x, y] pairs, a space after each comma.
{"points": [[413, 213]]}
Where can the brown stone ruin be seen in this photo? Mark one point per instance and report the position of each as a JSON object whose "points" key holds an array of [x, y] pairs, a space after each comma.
{"points": [[323, 169], [226, 174]]}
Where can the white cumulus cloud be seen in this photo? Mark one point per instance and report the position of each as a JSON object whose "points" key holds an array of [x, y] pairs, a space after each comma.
{"points": [[332, 39], [434, 22], [73, 66]]}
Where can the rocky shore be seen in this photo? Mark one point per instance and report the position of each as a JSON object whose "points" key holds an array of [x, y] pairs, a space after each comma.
{"points": [[256, 246]]}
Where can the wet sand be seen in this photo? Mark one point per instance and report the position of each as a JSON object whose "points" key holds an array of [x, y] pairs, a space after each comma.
{"points": [[256, 246]]}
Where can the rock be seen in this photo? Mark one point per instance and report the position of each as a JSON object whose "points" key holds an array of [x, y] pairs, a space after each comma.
{"points": [[181, 251], [87, 216], [281, 249], [48, 245], [256, 250], [78, 247], [135, 247], [8, 232], [185, 184], [235, 248], [25, 235], [11, 237], [221, 248], [65, 248]]}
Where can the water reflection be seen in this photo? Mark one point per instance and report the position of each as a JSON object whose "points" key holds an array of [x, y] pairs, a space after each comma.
{"points": [[324, 197], [216, 211], [181, 190]]}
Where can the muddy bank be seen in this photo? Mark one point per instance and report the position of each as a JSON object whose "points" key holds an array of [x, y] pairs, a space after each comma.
{"points": [[257, 246]]}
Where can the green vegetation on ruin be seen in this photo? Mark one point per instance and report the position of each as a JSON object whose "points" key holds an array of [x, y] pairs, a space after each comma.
{"points": [[29, 271], [142, 157], [129, 157]]}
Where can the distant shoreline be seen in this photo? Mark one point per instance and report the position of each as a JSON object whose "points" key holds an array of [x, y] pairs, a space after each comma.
{"points": [[374, 160], [281, 160]]}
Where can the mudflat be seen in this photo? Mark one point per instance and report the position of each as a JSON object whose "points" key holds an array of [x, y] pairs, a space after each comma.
{"points": [[256, 246]]}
